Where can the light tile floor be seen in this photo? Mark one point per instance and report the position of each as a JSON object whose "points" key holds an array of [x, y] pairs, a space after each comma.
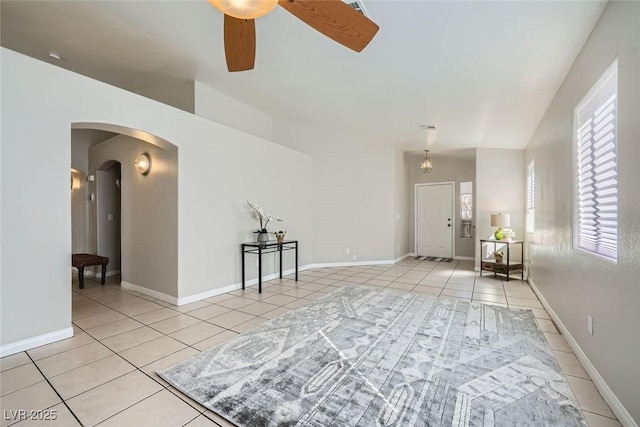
{"points": [[105, 374]]}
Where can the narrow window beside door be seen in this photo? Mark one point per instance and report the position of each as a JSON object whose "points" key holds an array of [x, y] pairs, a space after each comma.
{"points": [[466, 209], [531, 193]]}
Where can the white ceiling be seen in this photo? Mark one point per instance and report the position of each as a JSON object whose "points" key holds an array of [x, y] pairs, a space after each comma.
{"points": [[483, 72]]}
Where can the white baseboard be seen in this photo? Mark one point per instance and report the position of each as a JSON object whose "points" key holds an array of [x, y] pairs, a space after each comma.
{"points": [[614, 403], [410, 254], [253, 282], [207, 294], [215, 292], [150, 292], [92, 273], [99, 274], [350, 263], [29, 343], [234, 287]]}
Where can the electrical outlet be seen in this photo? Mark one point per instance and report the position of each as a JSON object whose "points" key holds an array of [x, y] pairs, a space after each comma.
{"points": [[354, 257], [347, 251], [590, 324]]}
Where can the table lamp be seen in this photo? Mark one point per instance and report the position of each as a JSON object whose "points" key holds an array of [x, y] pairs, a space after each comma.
{"points": [[500, 221]]}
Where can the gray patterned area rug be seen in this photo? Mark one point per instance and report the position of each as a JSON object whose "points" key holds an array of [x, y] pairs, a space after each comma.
{"points": [[368, 357]]}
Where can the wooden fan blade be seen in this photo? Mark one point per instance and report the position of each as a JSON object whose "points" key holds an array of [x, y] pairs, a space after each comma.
{"points": [[239, 43], [334, 19]]}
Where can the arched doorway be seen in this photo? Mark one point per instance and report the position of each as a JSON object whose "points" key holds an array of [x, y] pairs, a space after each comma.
{"points": [[132, 216]]}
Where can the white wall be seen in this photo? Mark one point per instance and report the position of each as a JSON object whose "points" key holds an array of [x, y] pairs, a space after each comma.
{"points": [[149, 213], [500, 188], [1, 196], [401, 205], [446, 169], [215, 105], [219, 169], [353, 192], [576, 284], [180, 95], [108, 216], [79, 214], [81, 141]]}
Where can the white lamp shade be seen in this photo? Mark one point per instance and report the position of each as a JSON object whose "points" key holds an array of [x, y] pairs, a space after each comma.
{"points": [[500, 220]]}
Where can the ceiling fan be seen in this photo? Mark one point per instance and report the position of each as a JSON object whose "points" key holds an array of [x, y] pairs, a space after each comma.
{"points": [[333, 18]]}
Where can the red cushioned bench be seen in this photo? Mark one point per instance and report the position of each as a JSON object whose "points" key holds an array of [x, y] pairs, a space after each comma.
{"points": [[80, 261]]}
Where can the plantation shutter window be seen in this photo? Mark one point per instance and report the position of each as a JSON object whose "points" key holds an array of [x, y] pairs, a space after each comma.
{"points": [[596, 140], [530, 197]]}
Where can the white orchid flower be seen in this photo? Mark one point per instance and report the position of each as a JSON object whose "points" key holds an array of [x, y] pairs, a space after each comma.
{"points": [[259, 214]]}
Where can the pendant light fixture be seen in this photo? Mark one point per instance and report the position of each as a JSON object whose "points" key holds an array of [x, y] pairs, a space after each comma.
{"points": [[431, 134], [427, 164]]}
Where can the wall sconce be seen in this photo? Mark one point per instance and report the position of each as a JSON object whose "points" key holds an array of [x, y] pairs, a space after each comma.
{"points": [[143, 164], [75, 179]]}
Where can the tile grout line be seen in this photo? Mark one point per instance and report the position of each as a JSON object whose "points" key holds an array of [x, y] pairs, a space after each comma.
{"points": [[130, 406], [136, 368], [600, 415], [379, 272], [346, 279], [149, 325], [64, 402]]}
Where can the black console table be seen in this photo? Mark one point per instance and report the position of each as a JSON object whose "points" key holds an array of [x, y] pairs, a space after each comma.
{"points": [[260, 248], [499, 267]]}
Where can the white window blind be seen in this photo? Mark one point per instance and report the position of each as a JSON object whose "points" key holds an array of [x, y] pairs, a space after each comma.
{"points": [[596, 137], [531, 182]]}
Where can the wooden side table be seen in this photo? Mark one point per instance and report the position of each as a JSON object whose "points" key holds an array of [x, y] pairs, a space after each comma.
{"points": [[501, 267]]}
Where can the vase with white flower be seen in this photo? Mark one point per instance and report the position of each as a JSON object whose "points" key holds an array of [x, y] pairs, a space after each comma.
{"points": [[263, 219], [509, 234]]}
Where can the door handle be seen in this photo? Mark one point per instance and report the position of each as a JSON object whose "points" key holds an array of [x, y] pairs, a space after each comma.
{"points": [[448, 225]]}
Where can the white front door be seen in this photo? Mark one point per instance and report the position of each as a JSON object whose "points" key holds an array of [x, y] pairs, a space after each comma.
{"points": [[434, 220]]}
